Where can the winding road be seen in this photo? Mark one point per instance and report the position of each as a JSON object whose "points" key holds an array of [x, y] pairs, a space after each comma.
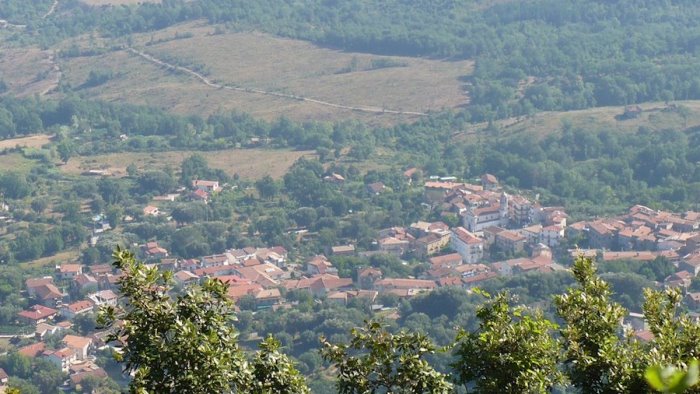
{"points": [[215, 85]]}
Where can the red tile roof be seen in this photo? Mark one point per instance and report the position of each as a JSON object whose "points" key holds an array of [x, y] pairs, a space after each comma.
{"points": [[37, 312], [236, 292], [77, 342], [406, 283], [48, 292], [70, 268], [451, 259], [330, 282], [33, 350], [36, 282], [465, 236], [80, 306]]}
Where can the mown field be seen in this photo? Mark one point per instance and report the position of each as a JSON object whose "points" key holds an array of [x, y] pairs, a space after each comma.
{"points": [[260, 61], [247, 163]]}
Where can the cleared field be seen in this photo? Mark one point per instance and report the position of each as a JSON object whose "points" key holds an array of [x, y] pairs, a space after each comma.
{"points": [[27, 71], [260, 61], [33, 141], [247, 163]]}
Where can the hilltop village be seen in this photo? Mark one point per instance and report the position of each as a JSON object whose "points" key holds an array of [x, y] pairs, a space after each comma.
{"points": [[497, 234]]}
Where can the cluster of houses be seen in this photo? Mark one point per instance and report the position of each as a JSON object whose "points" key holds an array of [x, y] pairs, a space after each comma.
{"points": [[645, 234], [57, 300], [489, 219]]}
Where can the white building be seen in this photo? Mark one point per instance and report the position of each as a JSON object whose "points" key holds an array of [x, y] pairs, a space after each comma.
{"points": [[468, 245], [552, 235], [494, 214]]}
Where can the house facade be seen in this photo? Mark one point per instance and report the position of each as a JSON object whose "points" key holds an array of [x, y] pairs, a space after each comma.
{"points": [[468, 245]]}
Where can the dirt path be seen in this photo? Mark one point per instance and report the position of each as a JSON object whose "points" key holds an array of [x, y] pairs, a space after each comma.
{"points": [[208, 82], [56, 72], [51, 10]]}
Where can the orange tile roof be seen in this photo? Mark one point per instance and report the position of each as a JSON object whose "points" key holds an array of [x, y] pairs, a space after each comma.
{"points": [[76, 342], [33, 350], [465, 236], [36, 282], [37, 312], [407, 283], [80, 306], [452, 258]]}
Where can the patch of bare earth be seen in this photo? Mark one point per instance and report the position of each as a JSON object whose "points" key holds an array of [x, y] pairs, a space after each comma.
{"points": [[32, 141]]}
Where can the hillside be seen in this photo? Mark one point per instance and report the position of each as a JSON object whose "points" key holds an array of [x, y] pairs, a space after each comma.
{"points": [[336, 163], [278, 66], [655, 116]]}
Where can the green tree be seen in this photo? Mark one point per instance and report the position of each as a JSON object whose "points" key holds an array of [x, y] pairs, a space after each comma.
{"points": [[18, 365], [14, 185], [676, 335], [156, 182], [114, 215], [597, 358], [112, 190], [274, 372], [183, 344], [22, 386], [7, 125], [512, 351], [47, 376], [187, 343], [194, 167], [85, 323], [267, 187], [39, 205], [66, 150], [378, 361]]}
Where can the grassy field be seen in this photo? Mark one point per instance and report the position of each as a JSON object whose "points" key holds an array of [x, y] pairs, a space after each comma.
{"points": [[655, 116], [15, 162], [247, 163], [48, 261], [26, 71], [256, 60]]}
